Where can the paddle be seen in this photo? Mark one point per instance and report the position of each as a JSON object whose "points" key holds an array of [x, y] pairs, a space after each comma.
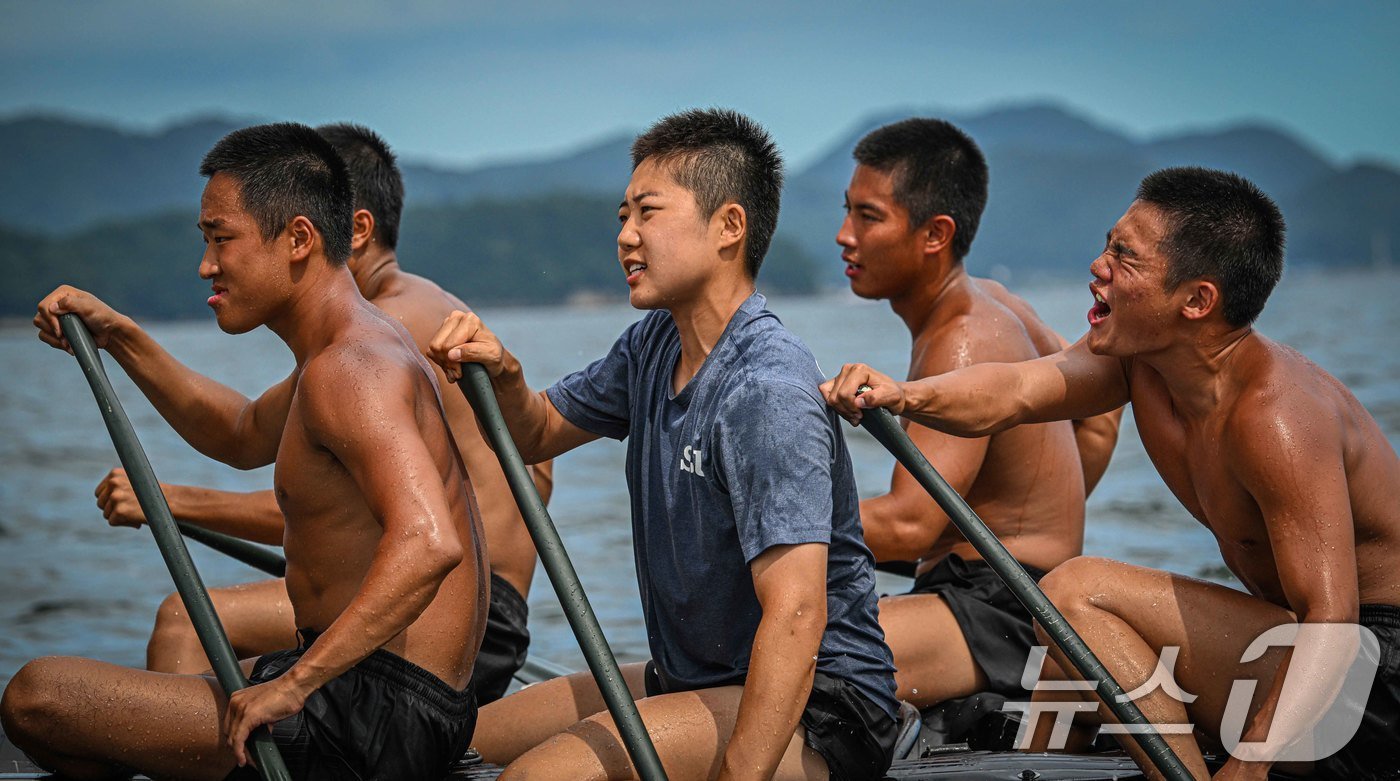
{"points": [[250, 553], [882, 425], [476, 385], [172, 546]]}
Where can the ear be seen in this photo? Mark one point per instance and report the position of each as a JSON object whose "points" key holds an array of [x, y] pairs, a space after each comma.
{"points": [[733, 223], [938, 233], [363, 230], [1203, 297], [303, 237]]}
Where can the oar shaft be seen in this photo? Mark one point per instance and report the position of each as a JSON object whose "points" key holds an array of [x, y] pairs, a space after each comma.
{"points": [[477, 387], [250, 553], [172, 546], [882, 425]]}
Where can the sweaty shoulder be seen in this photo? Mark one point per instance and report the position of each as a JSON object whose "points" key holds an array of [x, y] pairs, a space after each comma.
{"points": [[980, 329], [1284, 397], [369, 361]]}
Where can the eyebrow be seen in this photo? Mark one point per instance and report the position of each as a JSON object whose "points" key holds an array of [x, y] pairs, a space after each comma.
{"points": [[636, 197], [211, 224], [1119, 246]]}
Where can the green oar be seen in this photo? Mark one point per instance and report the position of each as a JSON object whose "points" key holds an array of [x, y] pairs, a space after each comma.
{"points": [[250, 553], [476, 385], [882, 425], [172, 546]]}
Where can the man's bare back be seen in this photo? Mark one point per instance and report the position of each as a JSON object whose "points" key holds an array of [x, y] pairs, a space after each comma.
{"points": [[1028, 487]]}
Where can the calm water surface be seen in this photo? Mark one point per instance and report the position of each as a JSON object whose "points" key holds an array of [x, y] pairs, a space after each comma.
{"points": [[72, 585]]}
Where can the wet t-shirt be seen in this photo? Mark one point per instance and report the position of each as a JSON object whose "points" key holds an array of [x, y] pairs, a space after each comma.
{"points": [[745, 457]]}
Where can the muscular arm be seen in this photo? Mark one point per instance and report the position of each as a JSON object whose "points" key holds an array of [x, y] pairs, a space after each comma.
{"points": [[251, 516], [1288, 455], [1095, 438], [790, 581], [987, 398], [904, 524], [215, 419], [368, 422], [539, 430]]}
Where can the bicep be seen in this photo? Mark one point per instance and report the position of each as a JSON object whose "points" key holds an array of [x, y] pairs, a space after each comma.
{"points": [[790, 575], [1071, 384], [261, 424], [1301, 489], [371, 427]]}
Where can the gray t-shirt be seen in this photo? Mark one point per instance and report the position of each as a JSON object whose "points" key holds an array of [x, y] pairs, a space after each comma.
{"points": [[745, 457]]}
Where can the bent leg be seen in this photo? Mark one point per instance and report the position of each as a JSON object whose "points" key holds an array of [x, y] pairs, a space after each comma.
{"points": [[88, 720], [690, 730], [1128, 615], [509, 727], [257, 616], [931, 657]]}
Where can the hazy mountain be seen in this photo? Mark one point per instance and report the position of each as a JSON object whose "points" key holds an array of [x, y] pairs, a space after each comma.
{"points": [[1059, 180]]}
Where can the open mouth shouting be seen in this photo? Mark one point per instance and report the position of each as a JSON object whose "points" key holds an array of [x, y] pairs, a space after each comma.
{"points": [[1101, 310], [634, 269]]}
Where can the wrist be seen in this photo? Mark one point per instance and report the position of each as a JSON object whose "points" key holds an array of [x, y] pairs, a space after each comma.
{"points": [[121, 336]]}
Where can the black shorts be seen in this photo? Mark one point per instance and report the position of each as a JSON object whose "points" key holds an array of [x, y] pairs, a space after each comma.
{"points": [[506, 642], [1374, 752], [853, 734], [384, 718], [997, 628]]}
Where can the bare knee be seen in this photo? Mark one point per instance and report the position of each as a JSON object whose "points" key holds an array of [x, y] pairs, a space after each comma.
{"points": [[1073, 585], [174, 645], [31, 707]]}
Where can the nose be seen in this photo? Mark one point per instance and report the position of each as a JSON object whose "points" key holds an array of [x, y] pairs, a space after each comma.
{"points": [[1100, 268], [627, 237], [207, 267], [846, 236]]}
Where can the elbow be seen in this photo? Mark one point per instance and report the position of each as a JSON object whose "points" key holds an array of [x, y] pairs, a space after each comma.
{"points": [[897, 540], [438, 556]]}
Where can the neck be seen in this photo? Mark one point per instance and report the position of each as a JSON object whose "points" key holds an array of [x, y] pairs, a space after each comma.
{"points": [[374, 269], [702, 322], [918, 306], [322, 301], [1197, 371]]}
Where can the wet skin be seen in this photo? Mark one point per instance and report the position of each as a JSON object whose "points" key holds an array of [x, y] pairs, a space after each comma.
{"points": [[1275, 457], [256, 615], [1026, 482], [382, 537]]}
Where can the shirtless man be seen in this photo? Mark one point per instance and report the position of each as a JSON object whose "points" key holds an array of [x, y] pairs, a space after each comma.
{"points": [[757, 591], [1274, 456], [912, 211], [257, 616], [385, 573]]}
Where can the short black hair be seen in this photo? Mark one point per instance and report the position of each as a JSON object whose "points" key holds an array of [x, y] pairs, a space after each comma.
{"points": [[721, 156], [374, 175], [284, 170], [1219, 227], [937, 169]]}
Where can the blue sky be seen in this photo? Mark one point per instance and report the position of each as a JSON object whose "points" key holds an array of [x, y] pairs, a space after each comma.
{"points": [[464, 83]]}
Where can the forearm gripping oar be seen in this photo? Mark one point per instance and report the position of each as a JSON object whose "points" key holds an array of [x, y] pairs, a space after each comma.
{"points": [[476, 385], [172, 546], [882, 425]]}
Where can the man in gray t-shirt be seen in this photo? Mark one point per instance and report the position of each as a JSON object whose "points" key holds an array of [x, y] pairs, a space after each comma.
{"points": [[758, 593]]}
